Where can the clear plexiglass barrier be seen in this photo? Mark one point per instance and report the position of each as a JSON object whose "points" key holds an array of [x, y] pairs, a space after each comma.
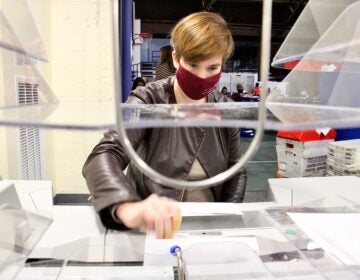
{"points": [[327, 75], [100, 116], [313, 22], [320, 91], [19, 233], [320, 230], [18, 30], [75, 90]]}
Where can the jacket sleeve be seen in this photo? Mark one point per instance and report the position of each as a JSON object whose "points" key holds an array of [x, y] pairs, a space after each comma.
{"points": [[234, 189], [103, 171]]}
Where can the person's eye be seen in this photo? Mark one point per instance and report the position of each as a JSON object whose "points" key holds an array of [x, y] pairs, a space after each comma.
{"points": [[213, 68], [193, 65]]}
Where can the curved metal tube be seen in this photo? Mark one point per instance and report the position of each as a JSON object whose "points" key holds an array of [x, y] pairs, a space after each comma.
{"points": [[255, 143], [181, 264]]}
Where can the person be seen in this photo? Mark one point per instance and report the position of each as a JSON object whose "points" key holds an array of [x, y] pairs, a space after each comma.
{"points": [[256, 91], [165, 67], [138, 82], [224, 91], [240, 92], [202, 43]]}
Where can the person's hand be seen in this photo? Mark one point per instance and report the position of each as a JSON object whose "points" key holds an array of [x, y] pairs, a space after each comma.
{"points": [[154, 213]]}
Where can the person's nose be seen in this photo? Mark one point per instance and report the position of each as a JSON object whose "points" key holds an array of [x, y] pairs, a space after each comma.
{"points": [[203, 73]]}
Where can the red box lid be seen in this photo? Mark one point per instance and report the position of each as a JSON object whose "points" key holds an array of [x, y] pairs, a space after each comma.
{"points": [[308, 135]]}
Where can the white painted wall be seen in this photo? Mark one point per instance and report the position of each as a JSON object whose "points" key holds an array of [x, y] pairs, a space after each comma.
{"points": [[3, 144], [77, 37], [70, 150], [81, 66], [4, 173], [9, 70], [136, 50]]}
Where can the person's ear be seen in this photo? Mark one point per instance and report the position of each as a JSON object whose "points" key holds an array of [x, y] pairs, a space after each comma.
{"points": [[175, 61]]}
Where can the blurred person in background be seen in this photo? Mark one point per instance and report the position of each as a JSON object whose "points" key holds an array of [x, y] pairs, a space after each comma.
{"points": [[165, 68], [138, 82], [240, 92], [225, 91], [256, 91]]}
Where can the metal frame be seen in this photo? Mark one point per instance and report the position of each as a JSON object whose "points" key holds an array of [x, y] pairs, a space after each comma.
{"points": [[254, 145]]}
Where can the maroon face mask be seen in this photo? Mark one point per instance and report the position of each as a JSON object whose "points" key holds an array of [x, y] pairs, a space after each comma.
{"points": [[193, 86]]}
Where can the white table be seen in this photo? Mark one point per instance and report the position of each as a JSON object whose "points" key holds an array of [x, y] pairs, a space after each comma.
{"points": [[77, 234], [297, 191]]}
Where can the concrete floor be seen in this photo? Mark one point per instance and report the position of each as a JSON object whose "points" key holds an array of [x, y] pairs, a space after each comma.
{"points": [[261, 167]]}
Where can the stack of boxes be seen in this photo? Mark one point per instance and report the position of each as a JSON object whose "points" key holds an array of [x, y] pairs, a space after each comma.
{"points": [[303, 153], [344, 158]]}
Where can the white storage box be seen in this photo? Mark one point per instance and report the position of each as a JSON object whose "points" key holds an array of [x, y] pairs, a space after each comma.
{"points": [[294, 144], [344, 158], [302, 159]]}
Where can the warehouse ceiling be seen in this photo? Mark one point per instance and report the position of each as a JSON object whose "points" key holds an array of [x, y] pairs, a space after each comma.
{"points": [[243, 16]]}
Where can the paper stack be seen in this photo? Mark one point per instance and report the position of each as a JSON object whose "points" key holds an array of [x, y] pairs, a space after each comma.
{"points": [[344, 158]]}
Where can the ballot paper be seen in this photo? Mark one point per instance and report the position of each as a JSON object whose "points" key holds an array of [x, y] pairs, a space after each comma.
{"points": [[337, 234], [201, 249]]}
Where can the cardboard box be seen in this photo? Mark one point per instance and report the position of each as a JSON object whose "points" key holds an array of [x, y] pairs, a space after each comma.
{"points": [[303, 153], [295, 144], [301, 160], [302, 163]]}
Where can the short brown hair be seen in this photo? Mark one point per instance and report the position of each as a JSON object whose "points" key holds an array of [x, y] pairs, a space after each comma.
{"points": [[200, 36]]}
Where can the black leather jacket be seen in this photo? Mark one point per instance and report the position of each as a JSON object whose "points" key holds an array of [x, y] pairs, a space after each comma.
{"points": [[170, 151]]}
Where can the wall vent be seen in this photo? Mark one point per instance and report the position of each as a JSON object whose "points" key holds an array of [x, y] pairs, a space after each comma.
{"points": [[29, 137], [28, 93]]}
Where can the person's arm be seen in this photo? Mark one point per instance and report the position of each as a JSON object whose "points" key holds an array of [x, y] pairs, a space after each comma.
{"points": [[234, 189], [117, 202], [103, 171], [114, 198]]}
